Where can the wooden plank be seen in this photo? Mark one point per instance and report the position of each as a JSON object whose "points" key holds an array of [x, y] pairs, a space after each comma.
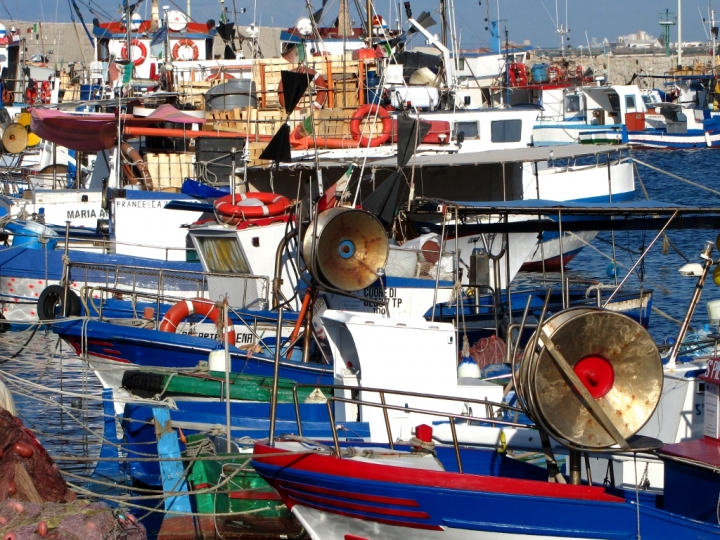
{"points": [[171, 472]]}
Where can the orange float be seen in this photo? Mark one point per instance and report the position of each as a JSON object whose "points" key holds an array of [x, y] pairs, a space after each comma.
{"points": [[262, 205], [185, 43], [195, 306], [321, 88], [135, 43]]}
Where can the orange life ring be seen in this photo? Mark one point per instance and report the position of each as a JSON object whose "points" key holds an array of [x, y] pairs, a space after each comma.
{"points": [[132, 162], [362, 112], [45, 92], [270, 204], [195, 306], [140, 45], [579, 71], [185, 43], [8, 97], [31, 95], [320, 90]]}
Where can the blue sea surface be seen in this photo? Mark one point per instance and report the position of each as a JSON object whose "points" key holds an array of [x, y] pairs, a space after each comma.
{"points": [[659, 272]]}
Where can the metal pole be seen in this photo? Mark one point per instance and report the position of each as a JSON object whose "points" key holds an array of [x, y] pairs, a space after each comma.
{"points": [[679, 44], [612, 233], [707, 255], [66, 269], [273, 397], [227, 373]]}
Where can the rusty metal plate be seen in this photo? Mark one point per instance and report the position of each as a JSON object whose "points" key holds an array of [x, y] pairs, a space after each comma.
{"points": [[349, 248], [617, 361]]}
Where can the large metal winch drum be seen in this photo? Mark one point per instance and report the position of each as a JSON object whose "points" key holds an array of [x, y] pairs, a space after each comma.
{"points": [[14, 138], [612, 356], [345, 248]]}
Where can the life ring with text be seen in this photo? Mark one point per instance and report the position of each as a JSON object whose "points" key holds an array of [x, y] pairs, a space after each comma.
{"points": [[134, 168], [187, 44], [195, 306], [320, 87], [257, 205], [140, 45], [367, 110]]}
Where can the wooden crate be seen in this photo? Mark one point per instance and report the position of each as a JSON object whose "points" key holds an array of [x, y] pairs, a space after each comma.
{"points": [[168, 171]]}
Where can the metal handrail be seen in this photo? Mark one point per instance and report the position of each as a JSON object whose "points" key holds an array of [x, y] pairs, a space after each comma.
{"points": [[490, 407]]}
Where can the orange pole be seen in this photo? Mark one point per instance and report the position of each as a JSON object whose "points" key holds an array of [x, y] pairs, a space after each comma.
{"points": [[132, 131], [298, 323], [361, 82], [329, 82]]}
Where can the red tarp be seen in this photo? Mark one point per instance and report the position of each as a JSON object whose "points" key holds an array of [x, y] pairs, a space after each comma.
{"points": [[93, 132]]}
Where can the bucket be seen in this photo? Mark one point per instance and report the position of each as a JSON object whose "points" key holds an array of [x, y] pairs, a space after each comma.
{"points": [[31, 234], [713, 307], [216, 360]]}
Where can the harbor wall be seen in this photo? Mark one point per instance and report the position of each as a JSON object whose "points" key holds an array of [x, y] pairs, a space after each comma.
{"points": [[620, 68]]}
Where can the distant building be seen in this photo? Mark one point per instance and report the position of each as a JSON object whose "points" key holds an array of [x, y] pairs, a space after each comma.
{"points": [[640, 40]]}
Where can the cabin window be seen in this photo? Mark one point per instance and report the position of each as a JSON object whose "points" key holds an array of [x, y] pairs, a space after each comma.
{"points": [[222, 254], [505, 131], [460, 64], [103, 50], [470, 129], [572, 103], [629, 102], [614, 102]]}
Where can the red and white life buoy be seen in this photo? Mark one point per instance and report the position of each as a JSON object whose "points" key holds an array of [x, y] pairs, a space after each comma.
{"points": [[185, 44], [579, 72], [196, 306], [139, 45], [244, 206], [367, 110], [320, 89]]}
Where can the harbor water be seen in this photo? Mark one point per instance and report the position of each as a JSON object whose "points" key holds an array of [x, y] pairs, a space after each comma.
{"points": [[58, 397]]}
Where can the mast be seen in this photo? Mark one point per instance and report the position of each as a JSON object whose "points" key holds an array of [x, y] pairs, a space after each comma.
{"points": [[679, 33], [369, 23], [344, 28], [128, 28], [443, 23]]}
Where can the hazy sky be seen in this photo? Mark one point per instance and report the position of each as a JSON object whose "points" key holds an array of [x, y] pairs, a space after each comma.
{"points": [[532, 20]]}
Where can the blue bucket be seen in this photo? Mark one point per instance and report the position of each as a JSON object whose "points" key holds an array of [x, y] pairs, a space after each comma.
{"points": [[31, 234]]}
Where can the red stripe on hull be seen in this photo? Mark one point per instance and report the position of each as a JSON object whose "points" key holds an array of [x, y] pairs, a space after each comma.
{"points": [[551, 265], [302, 498], [384, 521], [347, 495], [347, 468]]}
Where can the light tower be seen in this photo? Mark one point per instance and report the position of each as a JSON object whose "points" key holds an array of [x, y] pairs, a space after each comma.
{"points": [[667, 20]]}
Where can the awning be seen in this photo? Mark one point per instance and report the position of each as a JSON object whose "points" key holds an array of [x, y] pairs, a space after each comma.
{"points": [[93, 132]]}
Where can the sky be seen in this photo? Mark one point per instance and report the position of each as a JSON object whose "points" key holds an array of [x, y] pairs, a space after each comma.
{"points": [[532, 20]]}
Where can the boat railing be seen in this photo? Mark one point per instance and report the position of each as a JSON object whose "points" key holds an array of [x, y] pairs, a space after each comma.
{"points": [[494, 412], [163, 286]]}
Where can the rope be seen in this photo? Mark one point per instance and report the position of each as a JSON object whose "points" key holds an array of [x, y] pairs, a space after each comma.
{"points": [[676, 177]]}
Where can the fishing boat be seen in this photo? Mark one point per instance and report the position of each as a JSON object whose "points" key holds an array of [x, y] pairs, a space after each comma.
{"points": [[416, 487]]}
